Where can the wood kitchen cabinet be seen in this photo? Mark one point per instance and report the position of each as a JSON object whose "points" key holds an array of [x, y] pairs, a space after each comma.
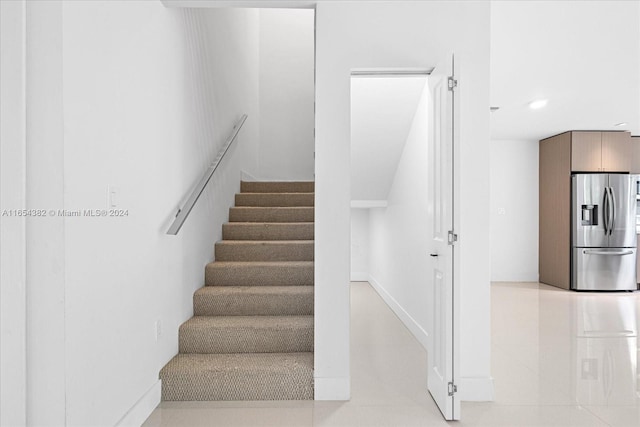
{"points": [[560, 156], [586, 151], [554, 245], [600, 151]]}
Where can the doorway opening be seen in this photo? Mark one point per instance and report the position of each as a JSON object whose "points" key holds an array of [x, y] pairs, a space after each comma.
{"points": [[389, 216]]}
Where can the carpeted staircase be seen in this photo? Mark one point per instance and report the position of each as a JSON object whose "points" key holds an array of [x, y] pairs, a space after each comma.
{"points": [[251, 337]]}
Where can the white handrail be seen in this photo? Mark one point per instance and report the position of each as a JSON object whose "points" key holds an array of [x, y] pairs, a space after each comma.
{"points": [[184, 211]]}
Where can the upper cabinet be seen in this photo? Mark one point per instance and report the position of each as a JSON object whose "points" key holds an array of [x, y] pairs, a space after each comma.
{"points": [[600, 152], [616, 151], [586, 151], [635, 157]]}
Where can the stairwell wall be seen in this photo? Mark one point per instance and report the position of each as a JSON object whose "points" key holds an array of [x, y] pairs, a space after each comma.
{"points": [[140, 99], [286, 94]]}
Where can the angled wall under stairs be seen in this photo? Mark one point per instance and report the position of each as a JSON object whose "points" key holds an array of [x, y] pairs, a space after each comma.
{"points": [[251, 337]]}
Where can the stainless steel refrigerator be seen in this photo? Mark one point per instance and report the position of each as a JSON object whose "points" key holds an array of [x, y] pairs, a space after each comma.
{"points": [[603, 233]]}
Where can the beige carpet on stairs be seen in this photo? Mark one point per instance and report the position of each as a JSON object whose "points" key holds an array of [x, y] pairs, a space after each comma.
{"points": [[251, 337]]}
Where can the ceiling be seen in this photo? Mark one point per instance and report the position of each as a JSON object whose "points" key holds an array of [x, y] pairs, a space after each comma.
{"points": [[382, 111], [583, 56]]}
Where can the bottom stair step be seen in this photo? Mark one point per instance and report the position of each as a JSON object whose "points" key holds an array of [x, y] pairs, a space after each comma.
{"points": [[250, 376]]}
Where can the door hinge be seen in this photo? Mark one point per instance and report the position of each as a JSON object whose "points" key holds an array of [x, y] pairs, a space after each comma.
{"points": [[453, 83], [452, 388], [452, 237]]}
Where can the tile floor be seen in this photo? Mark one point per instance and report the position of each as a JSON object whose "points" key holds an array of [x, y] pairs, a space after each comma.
{"points": [[558, 359]]}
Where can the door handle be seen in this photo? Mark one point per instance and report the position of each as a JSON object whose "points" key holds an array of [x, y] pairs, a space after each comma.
{"points": [[605, 211], [433, 255], [620, 253], [612, 206]]}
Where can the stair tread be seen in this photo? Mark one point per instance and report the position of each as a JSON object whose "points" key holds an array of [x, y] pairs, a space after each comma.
{"points": [[249, 193], [256, 322], [269, 223], [240, 264], [264, 242], [277, 186], [306, 208], [237, 362], [255, 290]]}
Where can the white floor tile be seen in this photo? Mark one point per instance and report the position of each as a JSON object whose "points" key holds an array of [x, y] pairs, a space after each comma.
{"points": [[559, 358], [617, 416], [495, 415]]}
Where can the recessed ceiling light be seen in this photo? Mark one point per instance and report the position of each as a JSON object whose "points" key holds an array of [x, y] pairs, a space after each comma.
{"points": [[621, 124], [537, 104]]}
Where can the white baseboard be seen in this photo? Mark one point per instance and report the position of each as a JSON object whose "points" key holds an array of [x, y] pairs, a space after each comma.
{"points": [[139, 413], [421, 335], [476, 389], [522, 277], [357, 276], [332, 388]]}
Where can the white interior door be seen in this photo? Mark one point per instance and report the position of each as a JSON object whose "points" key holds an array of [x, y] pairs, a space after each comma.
{"points": [[441, 376]]}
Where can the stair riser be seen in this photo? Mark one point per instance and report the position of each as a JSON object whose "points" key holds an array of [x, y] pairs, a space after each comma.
{"points": [[264, 251], [277, 187], [253, 305], [274, 199], [245, 340], [270, 214], [270, 275], [238, 387], [271, 231]]}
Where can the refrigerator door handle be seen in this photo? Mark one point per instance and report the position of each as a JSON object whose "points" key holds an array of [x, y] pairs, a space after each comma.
{"points": [[612, 204], [609, 253], [605, 211]]}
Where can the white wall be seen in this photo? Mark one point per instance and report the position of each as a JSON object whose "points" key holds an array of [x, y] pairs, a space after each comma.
{"points": [[12, 228], [382, 109], [514, 211], [147, 96], [286, 94], [399, 234], [45, 236], [400, 35], [359, 244]]}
